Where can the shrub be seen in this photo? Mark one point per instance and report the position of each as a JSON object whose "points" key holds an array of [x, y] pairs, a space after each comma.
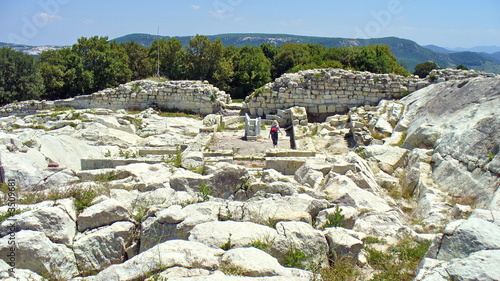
{"points": [[336, 219], [294, 258], [204, 191]]}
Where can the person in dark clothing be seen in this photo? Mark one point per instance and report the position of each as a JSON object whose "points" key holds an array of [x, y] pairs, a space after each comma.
{"points": [[274, 133]]}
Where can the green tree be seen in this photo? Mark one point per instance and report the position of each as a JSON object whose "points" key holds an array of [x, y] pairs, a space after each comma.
{"points": [[204, 57], [270, 51], [290, 55], [172, 58], [108, 62], [140, 63], [20, 78], [423, 69], [252, 69]]}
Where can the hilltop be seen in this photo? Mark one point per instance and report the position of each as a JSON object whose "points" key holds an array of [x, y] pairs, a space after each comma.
{"points": [[408, 52]]}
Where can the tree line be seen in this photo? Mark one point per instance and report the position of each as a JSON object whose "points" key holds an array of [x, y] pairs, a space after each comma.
{"points": [[96, 63]]}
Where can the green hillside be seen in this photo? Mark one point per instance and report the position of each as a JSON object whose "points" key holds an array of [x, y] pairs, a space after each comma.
{"points": [[408, 52]]}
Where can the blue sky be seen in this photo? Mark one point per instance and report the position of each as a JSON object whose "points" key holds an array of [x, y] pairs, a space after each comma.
{"points": [[446, 23]]}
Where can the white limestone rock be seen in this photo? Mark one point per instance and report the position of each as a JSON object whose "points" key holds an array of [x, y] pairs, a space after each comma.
{"points": [[99, 248], [173, 253], [9, 273], [57, 225], [231, 234], [157, 229], [35, 252], [343, 191], [387, 225], [154, 176], [388, 157], [481, 265], [344, 243], [101, 214], [471, 236], [303, 237], [253, 262], [67, 150]]}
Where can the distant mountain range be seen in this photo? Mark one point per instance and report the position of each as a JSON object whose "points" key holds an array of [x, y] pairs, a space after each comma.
{"points": [[408, 52]]}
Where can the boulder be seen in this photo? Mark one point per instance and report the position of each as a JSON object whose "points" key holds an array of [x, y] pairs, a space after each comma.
{"points": [[481, 265], [101, 214], [37, 253], [275, 208], [308, 175], [252, 262], [166, 224], [193, 160], [184, 180], [357, 169], [387, 225], [227, 180], [343, 191], [432, 270], [9, 273], [263, 189], [388, 157], [471, 236], [383, 127], [173, 253], [344, 243], [179, 272], [271, 176], [231, 234], [99, 248], [300, 236], [154, 176], [57, 225], [27, 169], [99, 134]]}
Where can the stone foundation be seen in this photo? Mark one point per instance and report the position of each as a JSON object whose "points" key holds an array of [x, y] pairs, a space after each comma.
{"points": [[188, 96], [329, 91]]}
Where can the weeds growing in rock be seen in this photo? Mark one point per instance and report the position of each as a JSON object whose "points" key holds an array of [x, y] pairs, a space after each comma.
{"points": [[294, 258], [336, 219], [227, 246], [204, 191], [107, 177], [264, 243], [340, 269], [400, 262], [232, 270]]}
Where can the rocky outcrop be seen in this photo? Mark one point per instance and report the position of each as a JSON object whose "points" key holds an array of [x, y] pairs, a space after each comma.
{"points": [[410, 174], [457, 119]]}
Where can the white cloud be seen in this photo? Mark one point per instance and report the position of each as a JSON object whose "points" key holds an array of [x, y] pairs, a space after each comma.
{"points": [[196, 7], [45, 17], [221, 14]]}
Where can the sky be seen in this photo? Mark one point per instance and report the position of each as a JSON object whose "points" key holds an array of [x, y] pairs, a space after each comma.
{"points": [[445, 23]]}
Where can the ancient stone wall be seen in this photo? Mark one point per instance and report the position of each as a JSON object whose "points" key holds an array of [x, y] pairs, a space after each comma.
{"points": [[449, 74], [329, 91], [192, 96]]}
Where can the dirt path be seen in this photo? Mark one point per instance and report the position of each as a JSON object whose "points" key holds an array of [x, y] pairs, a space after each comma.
{"points": [[233, 140]]}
